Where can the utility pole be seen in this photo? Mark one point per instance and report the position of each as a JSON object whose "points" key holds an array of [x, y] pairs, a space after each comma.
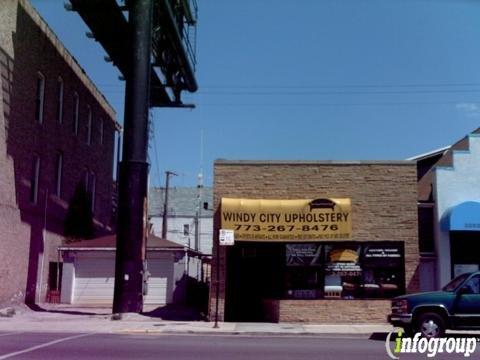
{"points": [[131, 233], [136, 43], [198, 212], [165, 204]]}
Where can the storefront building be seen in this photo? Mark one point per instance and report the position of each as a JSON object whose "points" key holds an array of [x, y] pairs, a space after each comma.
{"points": [[449, 211], [313, 241]]}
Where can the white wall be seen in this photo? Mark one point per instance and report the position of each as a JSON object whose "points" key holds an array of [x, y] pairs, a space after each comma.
{"points": [[427, 274], [68, 281], [453, 186]]}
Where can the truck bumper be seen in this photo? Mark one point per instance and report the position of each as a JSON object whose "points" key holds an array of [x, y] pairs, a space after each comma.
{"points": [[400, 319]]}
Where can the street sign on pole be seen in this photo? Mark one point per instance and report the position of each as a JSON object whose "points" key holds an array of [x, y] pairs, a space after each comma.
{"points": [[226, 237]]}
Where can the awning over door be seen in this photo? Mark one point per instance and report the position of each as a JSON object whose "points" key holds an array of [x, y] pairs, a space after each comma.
{"points": [[465, 217]]}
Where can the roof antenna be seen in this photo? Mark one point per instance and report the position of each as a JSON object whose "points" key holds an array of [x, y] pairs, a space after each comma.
{"points": [[199, 196], [200, 174]]}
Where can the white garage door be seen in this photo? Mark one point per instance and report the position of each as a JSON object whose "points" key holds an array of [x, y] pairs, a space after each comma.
{"points": [[160, 283], [95, 279]]}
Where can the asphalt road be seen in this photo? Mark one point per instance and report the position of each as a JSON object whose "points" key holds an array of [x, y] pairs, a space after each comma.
{"points": [[179, 347]]}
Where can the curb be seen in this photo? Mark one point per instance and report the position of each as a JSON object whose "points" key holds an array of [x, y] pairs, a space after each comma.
{"points": [[244, 333]]}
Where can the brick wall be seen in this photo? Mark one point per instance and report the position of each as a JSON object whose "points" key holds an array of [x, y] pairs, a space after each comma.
{"points": [[327, 311], [27, 47], [383, 195]]}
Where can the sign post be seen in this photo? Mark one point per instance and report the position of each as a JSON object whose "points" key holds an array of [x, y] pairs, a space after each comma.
{"points": [[225, 238]]}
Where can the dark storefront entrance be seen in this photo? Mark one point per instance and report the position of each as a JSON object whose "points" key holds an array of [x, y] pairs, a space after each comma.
{"points": [[465, 251], [259, 272], [255, 272]]}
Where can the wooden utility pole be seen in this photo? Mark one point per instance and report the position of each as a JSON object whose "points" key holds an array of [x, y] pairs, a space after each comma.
{"points": [[165, 204], [132, 200]]}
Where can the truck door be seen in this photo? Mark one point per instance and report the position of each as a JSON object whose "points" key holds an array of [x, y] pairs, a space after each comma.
{"points": [[467, 305]]}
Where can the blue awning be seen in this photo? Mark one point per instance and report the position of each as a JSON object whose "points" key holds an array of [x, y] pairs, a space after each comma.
{"points": [[465, 217]]}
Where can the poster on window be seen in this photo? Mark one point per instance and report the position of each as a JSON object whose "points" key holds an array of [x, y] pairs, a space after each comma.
{"points": [[303, 254], [343, 269], [382, 255], [342, 261]]}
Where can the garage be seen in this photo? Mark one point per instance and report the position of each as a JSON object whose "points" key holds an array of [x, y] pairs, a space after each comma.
{"points": [[160, 289], [94, 279], [89, 271]]}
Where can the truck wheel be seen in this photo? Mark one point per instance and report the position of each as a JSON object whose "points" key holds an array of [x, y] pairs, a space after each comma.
{"points": [[431, 325]]}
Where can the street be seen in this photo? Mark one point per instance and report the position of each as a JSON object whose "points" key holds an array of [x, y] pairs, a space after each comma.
{"points": [[30, 345]]}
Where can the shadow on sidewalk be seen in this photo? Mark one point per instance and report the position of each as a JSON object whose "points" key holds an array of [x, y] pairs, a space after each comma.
{"points": [[175, 312], [37, 308]]}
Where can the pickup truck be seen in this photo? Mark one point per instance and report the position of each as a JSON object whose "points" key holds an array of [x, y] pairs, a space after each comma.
{"points": [[456, 307]]}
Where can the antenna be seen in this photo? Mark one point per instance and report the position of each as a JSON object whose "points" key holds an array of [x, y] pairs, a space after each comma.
{"points": [[199, 196], [200, 174]]}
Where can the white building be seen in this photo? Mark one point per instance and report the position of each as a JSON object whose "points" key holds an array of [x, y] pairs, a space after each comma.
{"points": [[449, 211], [88, 275], [189, 216]]}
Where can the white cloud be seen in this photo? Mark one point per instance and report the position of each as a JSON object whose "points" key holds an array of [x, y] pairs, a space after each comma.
{"points": [[470, 109]]}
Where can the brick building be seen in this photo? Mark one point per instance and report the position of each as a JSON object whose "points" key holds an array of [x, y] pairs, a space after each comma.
{"points": [[314, 241], [56, 131]]}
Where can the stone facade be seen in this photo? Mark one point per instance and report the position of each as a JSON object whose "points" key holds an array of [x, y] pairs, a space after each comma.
{"points": [[31, 231], [327, 311], [384, 208]]}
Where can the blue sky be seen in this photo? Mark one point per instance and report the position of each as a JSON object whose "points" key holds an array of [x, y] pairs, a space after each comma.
{"points": [[309, 80]]}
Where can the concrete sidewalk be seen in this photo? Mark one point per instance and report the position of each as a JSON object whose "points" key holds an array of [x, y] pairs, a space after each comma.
{"points": [[68, 319]]}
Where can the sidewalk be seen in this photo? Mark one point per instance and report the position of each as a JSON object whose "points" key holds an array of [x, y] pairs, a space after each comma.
{"points": [[68, 319]]}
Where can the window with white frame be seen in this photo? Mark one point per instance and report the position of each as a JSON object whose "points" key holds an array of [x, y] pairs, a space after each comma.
{"points": [[58, 174], [76, 110], [35, 178], [60, 100], [40, 97], [89, 125]]}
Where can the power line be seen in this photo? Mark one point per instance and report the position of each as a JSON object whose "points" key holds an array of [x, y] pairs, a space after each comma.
{"points": [[396, 103], [321, 86], [295, 93], [328, 93]]}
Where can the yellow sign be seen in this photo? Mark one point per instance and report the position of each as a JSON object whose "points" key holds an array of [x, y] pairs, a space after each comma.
{"points": [[288, 220]]}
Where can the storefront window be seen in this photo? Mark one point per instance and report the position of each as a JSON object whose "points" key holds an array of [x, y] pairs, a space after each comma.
{"points": [[344, 270], [303, 275]]}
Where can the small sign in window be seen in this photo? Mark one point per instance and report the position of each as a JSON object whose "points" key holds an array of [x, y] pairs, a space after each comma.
{"points": [[227, 237]]}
